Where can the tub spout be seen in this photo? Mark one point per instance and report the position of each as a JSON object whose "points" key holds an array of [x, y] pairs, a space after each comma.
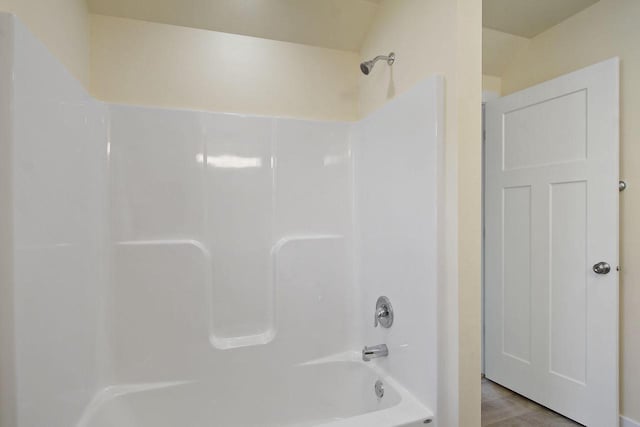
{"points": [[374, 352]]}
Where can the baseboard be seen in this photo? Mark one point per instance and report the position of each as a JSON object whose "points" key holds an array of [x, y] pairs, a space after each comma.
{"points": [[628, 422]]}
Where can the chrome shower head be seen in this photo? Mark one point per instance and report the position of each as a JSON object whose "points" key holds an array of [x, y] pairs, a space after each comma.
{"points": [[367, 66]]}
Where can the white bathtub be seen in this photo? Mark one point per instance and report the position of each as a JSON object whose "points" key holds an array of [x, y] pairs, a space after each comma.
{"points": [[333, 393]]}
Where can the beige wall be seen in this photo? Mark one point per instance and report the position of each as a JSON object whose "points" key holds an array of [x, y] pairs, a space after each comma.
{"points": [[137, 62], [63, 26], [444, 37], [498, 49], [609, 28], [335, 24], [492, 84]]}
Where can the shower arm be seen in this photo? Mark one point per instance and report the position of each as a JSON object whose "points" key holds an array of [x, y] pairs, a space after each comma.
{"points": [[390, 59]]}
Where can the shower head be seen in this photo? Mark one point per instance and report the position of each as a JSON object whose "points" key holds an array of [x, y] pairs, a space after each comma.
{"points": [[367, 66]]}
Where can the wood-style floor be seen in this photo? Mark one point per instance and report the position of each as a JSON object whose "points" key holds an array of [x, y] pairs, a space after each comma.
{"points": [[503, 408]]}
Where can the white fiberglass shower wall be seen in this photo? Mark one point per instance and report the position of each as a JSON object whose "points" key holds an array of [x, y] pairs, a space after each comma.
{"points": [[171, 267]]}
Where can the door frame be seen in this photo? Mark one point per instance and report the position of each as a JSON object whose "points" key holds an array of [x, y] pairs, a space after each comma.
{"points": [[487, 95]]}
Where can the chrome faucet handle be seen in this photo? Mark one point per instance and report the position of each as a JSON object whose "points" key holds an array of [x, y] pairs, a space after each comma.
{"points": [[383, 314]]}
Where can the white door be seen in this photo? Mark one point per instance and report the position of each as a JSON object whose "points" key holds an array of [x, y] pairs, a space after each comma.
{"points": [[551, 215]]}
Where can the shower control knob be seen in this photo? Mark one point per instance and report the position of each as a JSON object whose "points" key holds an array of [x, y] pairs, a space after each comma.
{"points": [[384, 313], [601, 268]]}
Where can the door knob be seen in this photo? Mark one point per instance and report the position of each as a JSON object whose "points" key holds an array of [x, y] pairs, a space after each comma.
{"points": [[601, 268]]}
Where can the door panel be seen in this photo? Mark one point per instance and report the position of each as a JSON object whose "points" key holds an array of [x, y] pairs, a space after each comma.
{"points": [[567, 280], [551, 213], [516, 303], [550, 132]]}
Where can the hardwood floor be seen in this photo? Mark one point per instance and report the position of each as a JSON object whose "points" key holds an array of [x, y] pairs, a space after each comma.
{"points": [[503, 408]]}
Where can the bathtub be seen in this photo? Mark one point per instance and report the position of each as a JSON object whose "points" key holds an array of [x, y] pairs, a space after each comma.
{"points": [[320, 393]]}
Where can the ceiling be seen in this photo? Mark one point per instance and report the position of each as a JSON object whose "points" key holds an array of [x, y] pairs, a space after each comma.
{"points": [[335, 24], [528, 18]]}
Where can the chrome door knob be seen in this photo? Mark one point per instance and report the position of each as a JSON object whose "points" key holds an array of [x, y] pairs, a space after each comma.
{"points": [[601, 268]]}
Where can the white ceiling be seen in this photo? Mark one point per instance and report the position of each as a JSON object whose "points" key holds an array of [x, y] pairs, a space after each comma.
{"points": [[528, 18], [336, 24]]}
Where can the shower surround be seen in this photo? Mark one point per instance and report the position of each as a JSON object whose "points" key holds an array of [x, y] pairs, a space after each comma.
{"points": [[172, 267]]}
